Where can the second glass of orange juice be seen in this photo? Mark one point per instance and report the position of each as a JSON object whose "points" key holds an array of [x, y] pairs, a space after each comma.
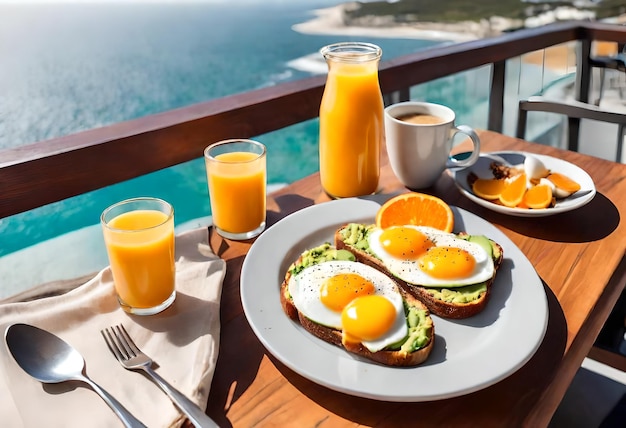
{"points": [[236, 176], [139, 238]]}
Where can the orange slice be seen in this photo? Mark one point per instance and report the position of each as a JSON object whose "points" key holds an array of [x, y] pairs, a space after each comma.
{"points": [[563, 182], [417, 209], [539, 196], [514, 191], [488, 188]]}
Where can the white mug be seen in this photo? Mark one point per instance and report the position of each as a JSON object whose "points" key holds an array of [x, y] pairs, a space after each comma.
{"points": [[419, 139]]}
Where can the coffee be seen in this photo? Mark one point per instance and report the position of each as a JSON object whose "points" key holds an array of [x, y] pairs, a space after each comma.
{"points": [[421, 119], [419, 139]]}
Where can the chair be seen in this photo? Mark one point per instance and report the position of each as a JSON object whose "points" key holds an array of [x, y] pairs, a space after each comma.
{"points": [[616, 61], [574, 111]]}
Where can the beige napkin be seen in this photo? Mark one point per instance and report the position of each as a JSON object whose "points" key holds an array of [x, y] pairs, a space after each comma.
{"points": [[183, 341]]}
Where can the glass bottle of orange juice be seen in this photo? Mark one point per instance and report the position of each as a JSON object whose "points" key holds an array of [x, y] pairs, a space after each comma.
{"points": [[351, 120]]}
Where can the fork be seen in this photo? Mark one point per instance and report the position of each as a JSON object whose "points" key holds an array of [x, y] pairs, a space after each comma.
{"points": [[132, 358]]}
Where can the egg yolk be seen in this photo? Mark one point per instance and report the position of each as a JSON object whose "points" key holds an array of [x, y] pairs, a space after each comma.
{"points": [[447, 263], [404, 242], [367, 318], [339, 290]]}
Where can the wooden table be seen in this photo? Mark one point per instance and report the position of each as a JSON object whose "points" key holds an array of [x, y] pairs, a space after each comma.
{"points": [[580, 256]]}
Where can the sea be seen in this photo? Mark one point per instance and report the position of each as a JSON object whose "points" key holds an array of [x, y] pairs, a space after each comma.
{"points": [[71, 67], [68, 67]]}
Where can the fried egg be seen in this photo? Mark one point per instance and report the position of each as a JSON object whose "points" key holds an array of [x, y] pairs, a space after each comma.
{"points": [[359, 300], [426, 256]]}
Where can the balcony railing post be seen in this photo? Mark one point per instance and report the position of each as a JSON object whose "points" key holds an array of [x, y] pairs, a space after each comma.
{"points": [[496, 96], [583, 70], [583, 85], [394, 97]]}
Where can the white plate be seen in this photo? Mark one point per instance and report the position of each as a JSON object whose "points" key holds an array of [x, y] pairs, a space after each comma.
{"points": [[481, 169], [469, 354]]}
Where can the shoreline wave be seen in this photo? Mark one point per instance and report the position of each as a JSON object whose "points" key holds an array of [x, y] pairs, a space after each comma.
{"points": [[313, 63]]}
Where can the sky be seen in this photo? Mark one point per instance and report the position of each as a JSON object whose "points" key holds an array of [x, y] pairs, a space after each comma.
{"points": [[136, 1], [110, 1], [147, 1], [323, 3]]}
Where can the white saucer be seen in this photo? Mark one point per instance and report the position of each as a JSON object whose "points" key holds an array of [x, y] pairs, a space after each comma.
{"points": [[481, 169]]}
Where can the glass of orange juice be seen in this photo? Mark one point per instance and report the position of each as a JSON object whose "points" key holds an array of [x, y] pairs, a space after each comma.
{"points": [[236, 175], [139, 238]]}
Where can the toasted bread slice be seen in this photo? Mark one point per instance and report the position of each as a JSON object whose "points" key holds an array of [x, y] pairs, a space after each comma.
{"points": [[456, 303], [390, 357]]}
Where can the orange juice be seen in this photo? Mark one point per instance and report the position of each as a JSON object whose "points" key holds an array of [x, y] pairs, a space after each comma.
{"points": [[237, 190], [351, 125], [140, 245]]}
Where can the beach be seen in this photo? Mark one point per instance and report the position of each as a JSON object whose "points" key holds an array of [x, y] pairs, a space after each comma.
{"points": [[329, 21], [333, 20]]}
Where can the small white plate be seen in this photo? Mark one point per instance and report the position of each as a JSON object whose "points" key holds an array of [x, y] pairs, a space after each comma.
{"points": [[481, 169], [469, 354]]}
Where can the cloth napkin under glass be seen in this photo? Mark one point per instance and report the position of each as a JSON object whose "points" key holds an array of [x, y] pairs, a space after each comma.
{"points": [[183, 342]]}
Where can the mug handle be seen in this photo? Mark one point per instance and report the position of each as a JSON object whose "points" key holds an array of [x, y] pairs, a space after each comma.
{"points": [[467, 158]]}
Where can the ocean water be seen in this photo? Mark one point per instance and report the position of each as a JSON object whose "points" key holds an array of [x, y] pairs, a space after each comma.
{"points": [[70, 67]]}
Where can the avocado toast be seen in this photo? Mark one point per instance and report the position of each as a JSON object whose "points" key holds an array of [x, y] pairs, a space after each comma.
{"points": [[454, 302], [411, 348]]}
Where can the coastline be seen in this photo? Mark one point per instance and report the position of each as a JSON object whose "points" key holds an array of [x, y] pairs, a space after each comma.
{"points": [[329, 21]]}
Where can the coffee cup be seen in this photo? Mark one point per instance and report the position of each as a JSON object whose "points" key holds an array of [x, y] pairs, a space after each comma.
{"points": [[419, 138]]}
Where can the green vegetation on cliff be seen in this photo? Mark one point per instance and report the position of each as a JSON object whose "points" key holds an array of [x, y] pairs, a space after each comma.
{"points": [[472, 10]]}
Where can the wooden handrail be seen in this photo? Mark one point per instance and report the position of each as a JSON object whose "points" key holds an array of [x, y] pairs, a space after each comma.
{"points": [[41, 173]]}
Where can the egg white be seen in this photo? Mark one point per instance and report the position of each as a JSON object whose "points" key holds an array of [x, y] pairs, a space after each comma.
{"points": [[304, 289], [534, 168], [409, 270], [556, 191]]}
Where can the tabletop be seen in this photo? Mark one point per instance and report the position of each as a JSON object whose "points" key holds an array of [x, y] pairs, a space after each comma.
{"points": [[579, 256]]}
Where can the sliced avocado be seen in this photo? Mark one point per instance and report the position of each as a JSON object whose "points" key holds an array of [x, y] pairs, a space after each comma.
{"points": [[356, 235], [497, 251], [465, 294], [344, 255], [420, 331], [319, 254], [483, 241]]}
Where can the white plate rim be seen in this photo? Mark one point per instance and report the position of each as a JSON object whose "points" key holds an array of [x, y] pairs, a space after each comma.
{"points": [[587, 192], [508, 339]]}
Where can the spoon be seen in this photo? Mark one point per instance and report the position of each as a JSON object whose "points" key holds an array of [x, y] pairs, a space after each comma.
{"points": [[49, 359]]}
